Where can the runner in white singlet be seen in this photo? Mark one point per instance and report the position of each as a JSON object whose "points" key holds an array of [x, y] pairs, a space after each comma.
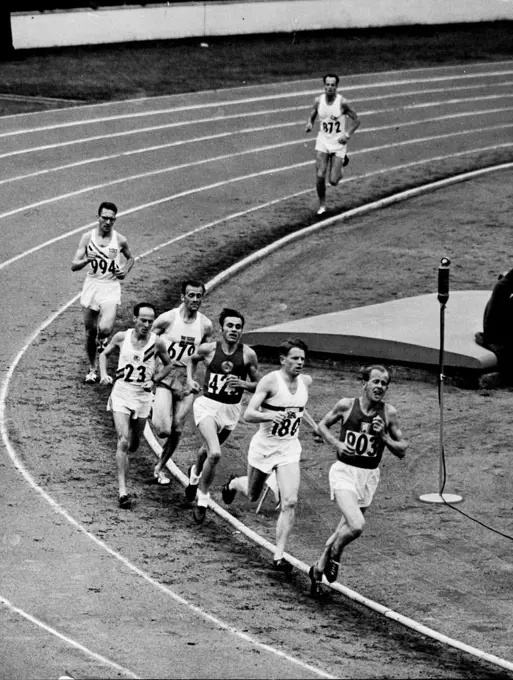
{"points": [[101, 249], [338, 122], [183, 330], [136, 374], [278, 405]]}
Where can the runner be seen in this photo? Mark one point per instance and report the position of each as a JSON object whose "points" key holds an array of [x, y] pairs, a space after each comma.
{"points": [[131, 397], [368, 426], [183, 329], [101, 292], [331, 144], [232, 367], [278, 405]]}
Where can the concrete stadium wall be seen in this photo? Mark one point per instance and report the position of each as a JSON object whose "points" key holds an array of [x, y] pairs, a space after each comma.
{"points": [[203, 19]]}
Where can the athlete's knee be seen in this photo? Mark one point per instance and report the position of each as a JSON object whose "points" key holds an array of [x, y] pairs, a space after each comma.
{"points": [[214, 456], [123, 441], [334, 181], [288, 502], [356, 525]]}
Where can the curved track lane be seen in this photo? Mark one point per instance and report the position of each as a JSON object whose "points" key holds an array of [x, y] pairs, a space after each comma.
{"points": [[173, 165]]}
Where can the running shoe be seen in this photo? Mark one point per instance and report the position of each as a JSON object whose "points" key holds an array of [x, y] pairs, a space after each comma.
{"points": [[125, 502], [331, 569], [91, 377], [321, 210], [283, 566], [199, 513], [190, 490], [162, 477], [227, 493], [315, 581], [346, 161]]}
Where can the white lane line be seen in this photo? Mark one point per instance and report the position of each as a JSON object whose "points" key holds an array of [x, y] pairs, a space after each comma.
{"points": [[236, 154], [300, 82], [73, 643], [252, 114], [252, 535], [241, 131], [246, 100], [18, 464], [173, 197]]}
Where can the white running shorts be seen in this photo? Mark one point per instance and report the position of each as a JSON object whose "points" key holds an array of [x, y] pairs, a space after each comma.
{"points": [[95, 294], [127, 400], [331, 146], [359, 480], [226, 416], [266, 457]]}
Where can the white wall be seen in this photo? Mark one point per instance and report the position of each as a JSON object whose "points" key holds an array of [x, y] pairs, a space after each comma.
{"points": [[203, 19]]}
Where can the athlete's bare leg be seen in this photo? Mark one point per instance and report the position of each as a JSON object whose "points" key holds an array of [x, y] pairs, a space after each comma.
{"points": [[336, 171], [348, 530], [181, 409], [288, 477], [91, 333], [106, 321], [122, 425], [321, 168]]}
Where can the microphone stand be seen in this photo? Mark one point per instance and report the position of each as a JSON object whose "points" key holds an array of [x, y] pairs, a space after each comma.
{"points": [[443, 297]]}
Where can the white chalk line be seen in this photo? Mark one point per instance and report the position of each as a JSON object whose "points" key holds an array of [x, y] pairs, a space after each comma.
{"points": [[252, 535], [267, 112], [248, 100], [240, 131], [216, 281], [73, 643], [287, 168], [302, 82], [245, 152]]}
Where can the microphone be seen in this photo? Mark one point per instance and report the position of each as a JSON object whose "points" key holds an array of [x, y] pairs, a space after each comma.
{"points": [[443, 280]]}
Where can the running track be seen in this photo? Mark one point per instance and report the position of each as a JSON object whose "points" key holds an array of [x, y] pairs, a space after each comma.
{"points": [[173, 164]]}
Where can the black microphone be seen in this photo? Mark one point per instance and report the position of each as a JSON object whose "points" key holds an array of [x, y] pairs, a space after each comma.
{"points": [[443, 280]]}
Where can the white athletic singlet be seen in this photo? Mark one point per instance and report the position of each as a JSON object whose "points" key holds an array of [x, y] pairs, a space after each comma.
{"points": [[135, 366], [181, 338], [292, 404], [332, 124], [107, 261]]}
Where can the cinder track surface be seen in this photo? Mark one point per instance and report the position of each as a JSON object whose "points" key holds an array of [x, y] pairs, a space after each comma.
{"points": [[236, 165]]}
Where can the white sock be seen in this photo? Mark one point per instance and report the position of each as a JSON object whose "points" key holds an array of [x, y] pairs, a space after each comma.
{"points": [[202, 499]]}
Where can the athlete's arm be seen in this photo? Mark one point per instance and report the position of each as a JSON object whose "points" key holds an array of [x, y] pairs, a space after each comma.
{"points": [[201, 354], [354, 122], [307, 418], [124, 248], [338, 412], [393, 439], [265, 389], [313, 115], [208, 330], [161, 352], [162, 322], [114, 343], [82, 258]]}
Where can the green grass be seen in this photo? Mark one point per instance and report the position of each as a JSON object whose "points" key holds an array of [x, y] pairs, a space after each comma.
{"points": [[105, 72]]}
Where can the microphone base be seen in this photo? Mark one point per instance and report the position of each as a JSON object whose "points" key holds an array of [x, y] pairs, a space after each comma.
{"points": [[440, 498]]}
